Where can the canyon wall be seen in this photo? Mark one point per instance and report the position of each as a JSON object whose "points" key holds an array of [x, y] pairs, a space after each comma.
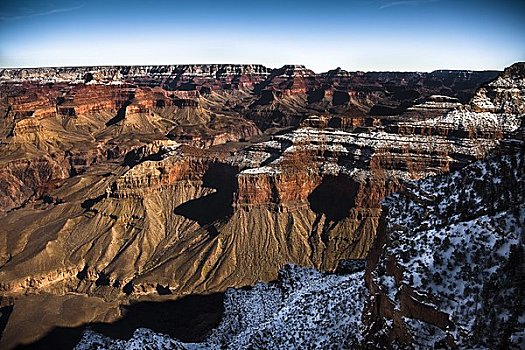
{"points": [[125, 183]]}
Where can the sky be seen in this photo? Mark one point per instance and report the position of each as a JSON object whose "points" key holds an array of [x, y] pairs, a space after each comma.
{"points": [[368, 35]]}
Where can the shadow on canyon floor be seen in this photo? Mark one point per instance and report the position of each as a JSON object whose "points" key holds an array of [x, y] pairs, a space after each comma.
{"points": [[334, 197], [188, 319], [216, 206], [5, 312]]}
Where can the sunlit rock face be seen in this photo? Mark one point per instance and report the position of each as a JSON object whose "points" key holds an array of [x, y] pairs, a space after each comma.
{"points": [[447, 267], [126, 183]]}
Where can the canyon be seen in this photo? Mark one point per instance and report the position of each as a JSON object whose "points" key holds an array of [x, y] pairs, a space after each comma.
{"points": [[126, 185]]}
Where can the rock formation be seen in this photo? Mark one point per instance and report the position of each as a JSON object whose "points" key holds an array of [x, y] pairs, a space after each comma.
{"points": [[445, 272], [132, 183]]}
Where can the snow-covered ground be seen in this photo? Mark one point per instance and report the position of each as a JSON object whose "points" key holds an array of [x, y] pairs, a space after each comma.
{"points": [[462, 119], [305, 309], [459, 238]]}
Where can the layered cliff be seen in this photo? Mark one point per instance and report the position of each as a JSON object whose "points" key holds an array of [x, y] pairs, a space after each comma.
{"points": [[446, 272], [130, 191]]}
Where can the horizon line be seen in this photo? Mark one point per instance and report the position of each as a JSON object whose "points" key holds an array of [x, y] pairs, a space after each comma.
{"points": [[255, 64]]}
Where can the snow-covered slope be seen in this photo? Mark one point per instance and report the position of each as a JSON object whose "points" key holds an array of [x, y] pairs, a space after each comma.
{"points": [[304, 309], [455, 243], [496, 107]]}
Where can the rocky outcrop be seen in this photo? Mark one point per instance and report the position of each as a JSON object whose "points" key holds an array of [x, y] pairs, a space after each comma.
{"points": [[195, 186], [21, 180], [502, 95], [257, 187], [447, 266], [449, 251], [285, 187]]}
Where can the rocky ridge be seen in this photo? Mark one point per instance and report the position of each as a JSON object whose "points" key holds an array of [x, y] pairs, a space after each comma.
{"points": [[174, 208], [407, 297], [451, 265]]}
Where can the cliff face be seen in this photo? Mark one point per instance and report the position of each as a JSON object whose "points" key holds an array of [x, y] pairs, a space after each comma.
{"points": [[51, 133], [445, 272], [137, 182], [448, 266], [88, 115]]}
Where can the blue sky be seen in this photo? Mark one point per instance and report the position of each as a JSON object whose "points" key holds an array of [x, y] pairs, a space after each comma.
{"points": [[354, 34]]}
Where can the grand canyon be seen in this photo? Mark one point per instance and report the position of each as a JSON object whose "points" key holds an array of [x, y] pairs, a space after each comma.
{"points": [[214, 206]]}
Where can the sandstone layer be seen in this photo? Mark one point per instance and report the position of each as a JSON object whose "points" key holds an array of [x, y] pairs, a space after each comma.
{"points": [[125, 183]]}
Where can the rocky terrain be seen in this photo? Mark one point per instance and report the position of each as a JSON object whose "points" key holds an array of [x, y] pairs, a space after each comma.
{"points": [[451, 268], [447, 272], [304, 309], [125, 184]]}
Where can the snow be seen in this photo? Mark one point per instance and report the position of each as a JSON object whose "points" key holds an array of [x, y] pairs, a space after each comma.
{"points": [[389, 284], [260, 170], [429, 336], [306, 309], [452, 238], [455, 258], [343, 152]]}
